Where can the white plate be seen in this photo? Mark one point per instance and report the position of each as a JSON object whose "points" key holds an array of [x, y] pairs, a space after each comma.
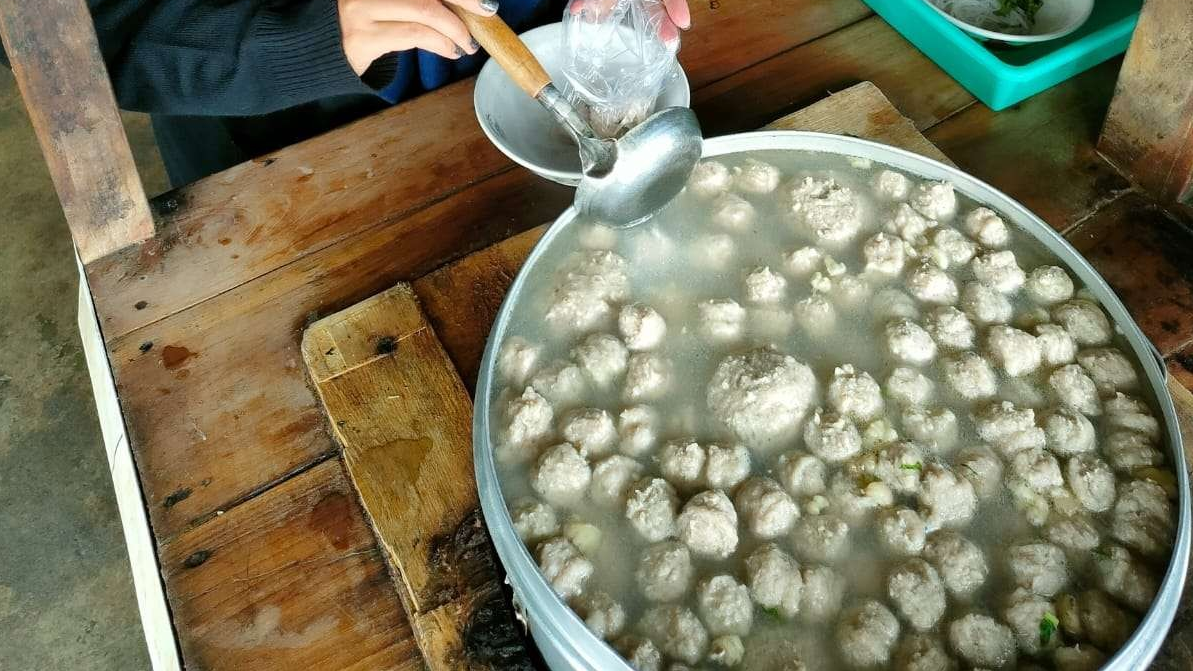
{"points": [[1055, 19], [526, 132]]}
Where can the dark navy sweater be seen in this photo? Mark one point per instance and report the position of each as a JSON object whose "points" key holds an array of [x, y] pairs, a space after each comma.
{"points": [[227, 80]]}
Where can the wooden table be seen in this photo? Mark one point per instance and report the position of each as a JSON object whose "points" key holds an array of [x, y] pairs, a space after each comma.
{"points": [[266, 558]]}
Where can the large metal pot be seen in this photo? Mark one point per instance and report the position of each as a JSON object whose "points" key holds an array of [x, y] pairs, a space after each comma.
{"points": [[562, 637]]}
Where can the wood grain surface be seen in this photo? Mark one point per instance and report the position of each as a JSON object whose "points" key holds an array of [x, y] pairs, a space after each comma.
{"points": [[54, 54], [404, 421]]}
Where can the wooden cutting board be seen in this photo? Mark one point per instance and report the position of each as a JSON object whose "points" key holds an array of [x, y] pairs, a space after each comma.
{"points": [[399, 405]]}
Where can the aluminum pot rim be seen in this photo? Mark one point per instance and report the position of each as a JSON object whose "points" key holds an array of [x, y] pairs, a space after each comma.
{"points": [[547, 610]]}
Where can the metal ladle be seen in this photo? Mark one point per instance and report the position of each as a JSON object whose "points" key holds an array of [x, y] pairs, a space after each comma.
{"points": [[625, 180]]}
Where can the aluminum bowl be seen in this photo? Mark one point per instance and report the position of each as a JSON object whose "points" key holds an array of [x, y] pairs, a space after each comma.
{"points": [[563, 639]]}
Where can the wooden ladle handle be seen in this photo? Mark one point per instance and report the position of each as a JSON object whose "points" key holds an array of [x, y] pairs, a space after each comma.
{"points": [[492, 33]]}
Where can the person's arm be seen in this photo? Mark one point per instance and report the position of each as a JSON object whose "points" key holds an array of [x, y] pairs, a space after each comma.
{"points": [[245, 57]]}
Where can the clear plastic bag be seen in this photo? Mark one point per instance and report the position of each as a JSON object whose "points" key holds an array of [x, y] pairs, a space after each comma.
{"points": [[614, 61]]}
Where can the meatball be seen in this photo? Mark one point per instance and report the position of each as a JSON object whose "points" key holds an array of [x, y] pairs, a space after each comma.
{"points": [[908, 224], [647, 377], [1036, 469], [894, 304], [934, 200], [969, 375], [866, 635], [983, 225], [983, 641], [761, 396], [709, 178], [733, 213], [665, 571], [802, 262], [721, 319], [898, 465], [637, 427], [725, 606], [560, 382], [708, 525], [765, 286], [1048, 285], [650, 508], [641, 326], [564, 567], [591, 430], [1056, 345], [1143, 518], [884, 255], [1128, 450], [915, 589], [516, 360], [831, 437], [935, 428], [950, 248], [678, 632], [767, 510], [855, 394], [857, 495], [950, 328], [612, 479], [1084, 320], [961, 564], [1125, 412], [801, 474], [1125, 578], [999, 271], [947, 499], [820, 598], [713, 251], [850, 291], [931, 284], [982, 467], [820, 539], [1002, 423], [816, 314], [891, 185], [725, 467], [909, 342], [755, 177], [530, 418], [1039, 567], [562, 474], [827, 211], [533, 520], [1069, 432], [589, 282], [901, 531], [774, 580], [922, 652], [1078, 658], [602, 615], [602, 358], [1015, 351], [1073, 532], [1098, 619], [985, 305], [726, 651], [1091, 481], [682, 463], [1073, 387], [908, 387], [640, 653], [1109, 368], [1024, 612]]}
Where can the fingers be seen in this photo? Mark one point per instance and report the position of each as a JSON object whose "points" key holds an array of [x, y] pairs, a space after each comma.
{"points": [[430, 14], [400, 35], [480, 7], [679, 13]]}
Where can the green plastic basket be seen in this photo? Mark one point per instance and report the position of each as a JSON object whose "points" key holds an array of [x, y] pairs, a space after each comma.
{"points": [[1001, 75]]}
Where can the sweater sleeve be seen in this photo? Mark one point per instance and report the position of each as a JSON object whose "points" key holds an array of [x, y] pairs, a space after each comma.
{"points": [[227, 57]]}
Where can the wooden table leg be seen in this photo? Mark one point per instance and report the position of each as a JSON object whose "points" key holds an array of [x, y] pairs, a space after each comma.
{"points": [[55, 57]]}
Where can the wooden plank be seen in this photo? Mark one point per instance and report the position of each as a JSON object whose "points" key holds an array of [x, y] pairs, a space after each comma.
{"points": [[61, 75], [462, 299], [215, 398], [1147, 258], [869, 50], [1041, 151], [404, 421], [290, 580], [1149, 128], [258, 216]]}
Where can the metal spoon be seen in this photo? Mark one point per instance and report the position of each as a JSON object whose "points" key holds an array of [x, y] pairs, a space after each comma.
{"points": [[625, 180]]}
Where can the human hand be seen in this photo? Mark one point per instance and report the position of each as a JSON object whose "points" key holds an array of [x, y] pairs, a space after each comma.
{"points": [[373, 28], [677, 16]]}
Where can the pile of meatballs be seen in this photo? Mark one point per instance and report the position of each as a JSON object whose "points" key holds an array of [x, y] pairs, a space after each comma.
{"points": [[999, 483]]}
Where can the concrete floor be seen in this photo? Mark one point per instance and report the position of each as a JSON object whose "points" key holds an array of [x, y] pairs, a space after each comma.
{"points": [[66, 595]]}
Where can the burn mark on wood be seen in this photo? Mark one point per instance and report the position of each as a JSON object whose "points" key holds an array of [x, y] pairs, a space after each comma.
{"points": [[386, 345], [146, 346], [177, 497], [461, 561], [141, 305], [174, 356], [196, 559], [492, 636], [1184, 360]]}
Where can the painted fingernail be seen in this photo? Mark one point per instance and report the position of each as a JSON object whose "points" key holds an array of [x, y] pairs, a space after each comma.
{"points": [[459, 52], [475, 47], [489, 6]]}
